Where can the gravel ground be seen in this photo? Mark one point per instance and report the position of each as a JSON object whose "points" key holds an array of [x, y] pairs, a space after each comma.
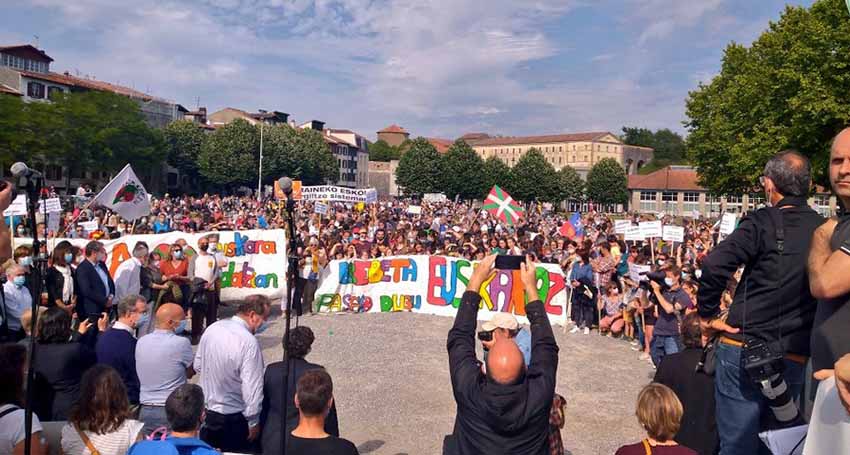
{"points": [[393, 393]]}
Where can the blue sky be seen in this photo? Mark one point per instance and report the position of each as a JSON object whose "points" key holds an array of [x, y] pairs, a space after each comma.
{"points": [[439, 68]]}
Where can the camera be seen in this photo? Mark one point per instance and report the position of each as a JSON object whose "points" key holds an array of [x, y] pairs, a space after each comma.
{"points": [[765, 366], [485, 335], [658, 276]]}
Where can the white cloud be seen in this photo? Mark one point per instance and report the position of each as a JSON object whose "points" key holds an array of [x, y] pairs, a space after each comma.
{"points": [[663, 17]]}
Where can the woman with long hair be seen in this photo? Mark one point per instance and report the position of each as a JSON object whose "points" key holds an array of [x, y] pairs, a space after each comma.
{"points": [[60, 278], [100, 419]]}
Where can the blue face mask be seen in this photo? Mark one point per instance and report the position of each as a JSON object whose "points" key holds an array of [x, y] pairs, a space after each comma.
{"points": [[262, 328], [20, 281], [180, 327], [143, 320], [25, 261], [177, 254], [668, 281], [69, 258]]}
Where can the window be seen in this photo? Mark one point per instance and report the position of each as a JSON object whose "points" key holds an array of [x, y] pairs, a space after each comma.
{"points": [[648, 201], [755, 201], [822, 204], [35, 90], [585, 157], [713, 204], [734, 204], [53, 90], [669, 201], [560, 160], [691, 203]]}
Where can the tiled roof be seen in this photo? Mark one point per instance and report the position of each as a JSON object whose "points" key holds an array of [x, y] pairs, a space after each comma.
{"points": [[91, 84], [23, 46], [574, 137], [9, 90], [442, 145], [393, 129], [668, 178], [474, 136]]}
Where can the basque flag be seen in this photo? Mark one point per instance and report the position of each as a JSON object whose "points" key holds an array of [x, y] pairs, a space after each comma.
{"points": [[502, 206]]}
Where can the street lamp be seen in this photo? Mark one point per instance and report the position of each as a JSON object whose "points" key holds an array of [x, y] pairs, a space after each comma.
{"points": [[260, 171]]}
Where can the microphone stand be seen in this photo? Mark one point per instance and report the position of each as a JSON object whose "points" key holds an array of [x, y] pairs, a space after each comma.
{"points": [[33, 186], [292, 273]]}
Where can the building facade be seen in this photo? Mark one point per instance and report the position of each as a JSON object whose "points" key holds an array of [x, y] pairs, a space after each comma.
{"points": [[675, 190], [579, 150], [229, 114], [382, 178], [393, 135]]}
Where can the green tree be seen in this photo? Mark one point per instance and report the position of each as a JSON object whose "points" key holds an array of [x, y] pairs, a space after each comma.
{"points": [[462, 171], [607, 182], [534, 178], [669, 146], [382, 151], [789, 89], [496, 172], [420, 169], [183, 142], [570, 183], [229, 155]]}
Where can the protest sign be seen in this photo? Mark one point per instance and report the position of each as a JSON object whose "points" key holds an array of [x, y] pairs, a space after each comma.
{"points": [[434, 197], [635, 271], [414, 209], [728, 223], [431, 285], [673, 234], [320, 208], [634, 234], [336, 193], [53, 205], [18, 206], [651, 228], [254, 260], [88, 226], [620, 226]]}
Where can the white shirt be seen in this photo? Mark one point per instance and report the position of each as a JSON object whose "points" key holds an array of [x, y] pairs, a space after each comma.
{"points": [[128, 278], [18, 300], [161, 361], [12, 428], [115, 443], [230, 363], [204, 267]]}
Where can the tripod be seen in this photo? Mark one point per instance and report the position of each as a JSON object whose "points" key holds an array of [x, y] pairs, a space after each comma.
{"points": [[292, 274]]}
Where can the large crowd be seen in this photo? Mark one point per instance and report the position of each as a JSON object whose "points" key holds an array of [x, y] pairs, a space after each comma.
{"points": [[115, 352]]}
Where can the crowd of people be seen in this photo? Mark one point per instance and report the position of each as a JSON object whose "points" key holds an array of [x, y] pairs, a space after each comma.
{"points": [[115, 352]]}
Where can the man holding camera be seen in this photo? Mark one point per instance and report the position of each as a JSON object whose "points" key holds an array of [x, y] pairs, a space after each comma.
{"points": [[672, 301], [763, 342], [505, 410]]}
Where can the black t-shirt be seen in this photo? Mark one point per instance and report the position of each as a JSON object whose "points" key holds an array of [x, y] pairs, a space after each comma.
{"points": [[830, 334], [325, 446]]}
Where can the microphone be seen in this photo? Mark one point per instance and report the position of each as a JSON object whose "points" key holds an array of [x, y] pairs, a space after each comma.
{"points": [[285, 184], [20, 169]]}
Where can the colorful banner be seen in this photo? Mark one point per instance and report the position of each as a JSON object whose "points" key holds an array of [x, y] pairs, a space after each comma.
{"points": [[432, 285], [254, 260], [337, 193]]}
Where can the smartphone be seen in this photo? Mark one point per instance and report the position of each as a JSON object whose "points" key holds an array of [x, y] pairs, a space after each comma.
{"points": [[93, 318], [485, 335], [509, 262]]}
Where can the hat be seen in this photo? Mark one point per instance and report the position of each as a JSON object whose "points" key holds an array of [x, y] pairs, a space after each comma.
{"points": [[501, 321]]}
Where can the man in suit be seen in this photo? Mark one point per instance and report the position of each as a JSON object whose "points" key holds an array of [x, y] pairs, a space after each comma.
{"points": [[94, 287]]}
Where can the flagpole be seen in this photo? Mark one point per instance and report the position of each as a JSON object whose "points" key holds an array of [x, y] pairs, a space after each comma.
{"points": [[76, 217]]}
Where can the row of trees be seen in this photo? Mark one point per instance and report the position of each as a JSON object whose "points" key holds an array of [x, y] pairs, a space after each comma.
{"points": [[82, 131], [462, 173], [789, 89], [229, 155], [669, 146]]}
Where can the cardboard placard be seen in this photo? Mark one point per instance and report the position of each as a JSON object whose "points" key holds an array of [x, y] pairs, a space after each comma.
{"points": [[620, 226], [18, 206], [634, 234], [651, 229], [673, 234], [728, 223]]}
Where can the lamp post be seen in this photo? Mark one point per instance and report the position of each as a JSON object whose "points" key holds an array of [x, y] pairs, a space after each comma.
{"points": [[260, 171]]}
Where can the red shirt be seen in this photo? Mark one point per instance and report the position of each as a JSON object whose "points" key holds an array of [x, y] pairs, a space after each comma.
{"points": [[167, 268]]}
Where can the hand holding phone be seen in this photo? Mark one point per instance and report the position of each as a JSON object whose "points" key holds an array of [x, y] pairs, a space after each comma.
{"points": [[509, 262]]}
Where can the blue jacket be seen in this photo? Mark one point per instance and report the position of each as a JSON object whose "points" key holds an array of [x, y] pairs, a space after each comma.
{"points": [[172, 446], [117, 348]]}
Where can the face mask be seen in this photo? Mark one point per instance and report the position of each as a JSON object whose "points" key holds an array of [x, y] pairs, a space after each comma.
{"points": [[262, 328], [20, 281], [660, 262], [212, 248], [69, 258], [204, 247], [101, 257], [143, 320], [698, 273], [25, 261], [181, 327], [668, 281], [177, 254]]}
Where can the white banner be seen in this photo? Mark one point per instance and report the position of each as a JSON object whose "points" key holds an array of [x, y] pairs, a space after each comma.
{"points": [[673, 234], [433, 197], [620, 226], [320, 208], [88, 226], [431, 285], [255, 260], [728, 223], [414, 209], [337, 193], [53, 205], [634, 234], [651, 228], [18, 206]]}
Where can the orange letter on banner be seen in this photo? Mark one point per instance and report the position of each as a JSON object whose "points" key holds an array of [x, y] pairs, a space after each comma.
{"points": [[119, 255]]}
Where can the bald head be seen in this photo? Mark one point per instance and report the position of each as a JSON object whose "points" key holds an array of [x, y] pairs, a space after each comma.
{"points": [[168, 316], [839, 166], [505, 362]]}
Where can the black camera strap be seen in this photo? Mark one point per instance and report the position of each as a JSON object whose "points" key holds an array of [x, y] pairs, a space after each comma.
{"points": [[779, 231]]}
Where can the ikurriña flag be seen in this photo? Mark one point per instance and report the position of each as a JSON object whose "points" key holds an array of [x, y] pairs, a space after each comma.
{"points": [[125, 195], [502, 206]]}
